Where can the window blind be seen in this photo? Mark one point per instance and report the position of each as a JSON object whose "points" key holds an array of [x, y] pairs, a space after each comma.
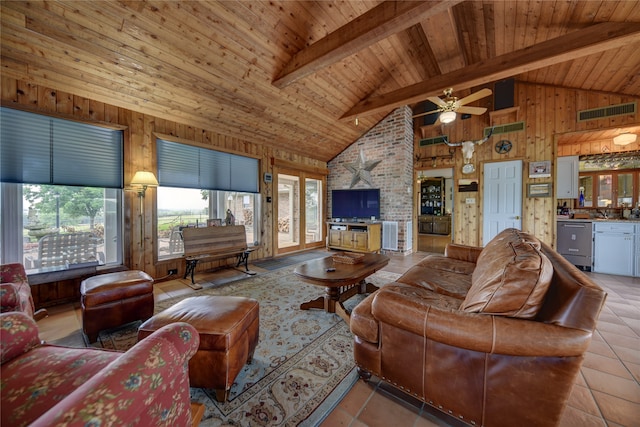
{"points": [[186, 166], [36, 149]]}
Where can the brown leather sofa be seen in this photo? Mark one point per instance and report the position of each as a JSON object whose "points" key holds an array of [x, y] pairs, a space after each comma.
{"points": [[492, 337]]}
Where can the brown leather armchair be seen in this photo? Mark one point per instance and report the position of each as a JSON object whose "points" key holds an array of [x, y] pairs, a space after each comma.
{"points": [[493, 336]]}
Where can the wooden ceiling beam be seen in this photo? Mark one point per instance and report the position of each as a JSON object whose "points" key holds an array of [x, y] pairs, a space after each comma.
{"points": [[384, 20], [593, 39]]}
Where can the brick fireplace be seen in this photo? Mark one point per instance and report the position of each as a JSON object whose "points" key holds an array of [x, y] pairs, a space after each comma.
{"points": [[391, 142]]}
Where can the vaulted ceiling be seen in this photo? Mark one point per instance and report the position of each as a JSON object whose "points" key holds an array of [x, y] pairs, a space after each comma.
{"points": [[297, 74]]}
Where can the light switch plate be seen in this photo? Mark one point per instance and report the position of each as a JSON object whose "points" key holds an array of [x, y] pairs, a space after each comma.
{"points": [[470, 201]]}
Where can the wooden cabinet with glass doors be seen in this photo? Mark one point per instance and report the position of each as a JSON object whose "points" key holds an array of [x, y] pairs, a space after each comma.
{"points": [[610, 189], [432, 196]]}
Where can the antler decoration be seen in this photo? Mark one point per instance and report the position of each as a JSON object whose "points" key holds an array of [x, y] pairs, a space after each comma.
{"points": [[468, 146]]}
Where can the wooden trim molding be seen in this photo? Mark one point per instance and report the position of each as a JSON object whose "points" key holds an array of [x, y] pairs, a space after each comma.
{"points": [[300, 167], [193, 143]]}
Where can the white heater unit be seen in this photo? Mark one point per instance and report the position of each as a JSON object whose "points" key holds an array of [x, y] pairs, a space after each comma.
{"points": [[390, 235]]}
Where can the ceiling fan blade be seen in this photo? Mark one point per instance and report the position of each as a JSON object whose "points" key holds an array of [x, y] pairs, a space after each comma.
{"points": [[425, 114], [437, 101], [475, 96], [471, 110]]}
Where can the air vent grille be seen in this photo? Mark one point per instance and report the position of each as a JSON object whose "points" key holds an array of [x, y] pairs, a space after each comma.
{"points": [[390, 235], [442, 139], [506, 128], [610, 111]]}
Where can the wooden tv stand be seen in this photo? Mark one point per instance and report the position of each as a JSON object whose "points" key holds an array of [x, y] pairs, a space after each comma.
{"points": [[354, 236]]}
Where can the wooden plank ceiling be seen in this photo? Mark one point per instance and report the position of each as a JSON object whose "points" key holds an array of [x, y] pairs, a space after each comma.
{"points": [[295, 75]]}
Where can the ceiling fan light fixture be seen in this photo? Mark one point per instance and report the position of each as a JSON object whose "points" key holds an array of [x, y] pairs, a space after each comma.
{"points": [[625, 138], [447, 117]]}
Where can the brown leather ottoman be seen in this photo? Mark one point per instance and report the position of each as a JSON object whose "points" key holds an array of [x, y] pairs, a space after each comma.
{"points": [[114, 299], [229, 329]]}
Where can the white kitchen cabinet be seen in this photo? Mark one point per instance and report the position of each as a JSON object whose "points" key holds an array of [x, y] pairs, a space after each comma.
{"points": [[637, 270], [567, 177], [614, 248]]}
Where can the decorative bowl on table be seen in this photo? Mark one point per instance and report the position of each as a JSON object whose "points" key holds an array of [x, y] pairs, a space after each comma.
{"points": [[348, 258]]}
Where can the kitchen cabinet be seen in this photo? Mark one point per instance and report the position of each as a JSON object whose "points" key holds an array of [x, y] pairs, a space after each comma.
{"points": [[442, 225], [432, 224], [614, 246], [586, 184], [610, 189], [637, 269], [354, 237], [425, 224], [567, 177]]}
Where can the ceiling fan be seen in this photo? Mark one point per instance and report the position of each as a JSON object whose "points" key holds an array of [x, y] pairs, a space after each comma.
{"points": [[450, 105]]}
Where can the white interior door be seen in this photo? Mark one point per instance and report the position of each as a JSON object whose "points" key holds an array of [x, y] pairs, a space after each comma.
{"points": [[502, 198]]}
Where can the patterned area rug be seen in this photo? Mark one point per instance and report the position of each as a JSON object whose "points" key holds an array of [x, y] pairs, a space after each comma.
{"points": [[277, 263], [303, 364]]}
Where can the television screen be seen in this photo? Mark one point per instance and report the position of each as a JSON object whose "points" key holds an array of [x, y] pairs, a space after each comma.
{"points": [[363, 203]]}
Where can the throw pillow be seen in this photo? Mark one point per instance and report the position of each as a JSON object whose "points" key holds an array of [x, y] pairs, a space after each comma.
{"points": [[510, 280]]}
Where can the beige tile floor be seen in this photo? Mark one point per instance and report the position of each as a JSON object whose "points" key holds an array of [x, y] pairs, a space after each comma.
{"points": [[606, 393]]}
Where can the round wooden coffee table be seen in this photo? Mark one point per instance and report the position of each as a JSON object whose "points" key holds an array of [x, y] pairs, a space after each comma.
{"points": [[340, 281]]}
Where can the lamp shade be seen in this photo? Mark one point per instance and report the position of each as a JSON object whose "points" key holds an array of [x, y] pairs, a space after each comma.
{"points": [[144, 179], [625, 138], [447, 116]]}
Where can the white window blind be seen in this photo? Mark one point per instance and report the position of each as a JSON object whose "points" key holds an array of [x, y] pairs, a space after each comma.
{"points": [[186, 166], [36, 149]]}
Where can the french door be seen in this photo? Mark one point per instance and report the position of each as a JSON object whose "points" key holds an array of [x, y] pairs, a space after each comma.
{"points": [[300, 211]]}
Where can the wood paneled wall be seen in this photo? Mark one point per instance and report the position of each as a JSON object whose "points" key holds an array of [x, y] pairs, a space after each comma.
{"points": [[140, 154], [548, 112]]}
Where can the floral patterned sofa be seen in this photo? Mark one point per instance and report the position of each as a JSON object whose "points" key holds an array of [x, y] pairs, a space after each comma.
{"points": [[15, 293], [45, 385]]}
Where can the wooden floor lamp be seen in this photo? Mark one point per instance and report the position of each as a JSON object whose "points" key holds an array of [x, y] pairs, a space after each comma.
{"points": [[140, 182]]}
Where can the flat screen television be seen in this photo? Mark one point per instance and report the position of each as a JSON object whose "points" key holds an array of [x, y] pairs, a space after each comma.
{"points": [[354, 204]]}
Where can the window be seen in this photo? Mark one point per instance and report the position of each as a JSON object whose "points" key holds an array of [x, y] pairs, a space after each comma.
{"points": [[59, 212], [605, 191], [201, 187], [624, 192], [61, 227], [185, 207], [586, 189]]}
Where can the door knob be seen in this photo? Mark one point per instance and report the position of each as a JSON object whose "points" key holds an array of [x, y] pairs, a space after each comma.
{"points": [[517, 216]]}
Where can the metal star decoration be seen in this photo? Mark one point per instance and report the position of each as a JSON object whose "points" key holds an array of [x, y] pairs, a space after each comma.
{"points": [[361, 170]]}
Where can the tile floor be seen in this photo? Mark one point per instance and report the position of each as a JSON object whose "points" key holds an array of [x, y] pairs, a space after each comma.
{"points": [[606, 393]]}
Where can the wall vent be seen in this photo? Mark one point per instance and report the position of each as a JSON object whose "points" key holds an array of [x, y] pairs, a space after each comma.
{"points": [[408, 241], [442, 139], [610, 111], [506, 128], [390, 235]]}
